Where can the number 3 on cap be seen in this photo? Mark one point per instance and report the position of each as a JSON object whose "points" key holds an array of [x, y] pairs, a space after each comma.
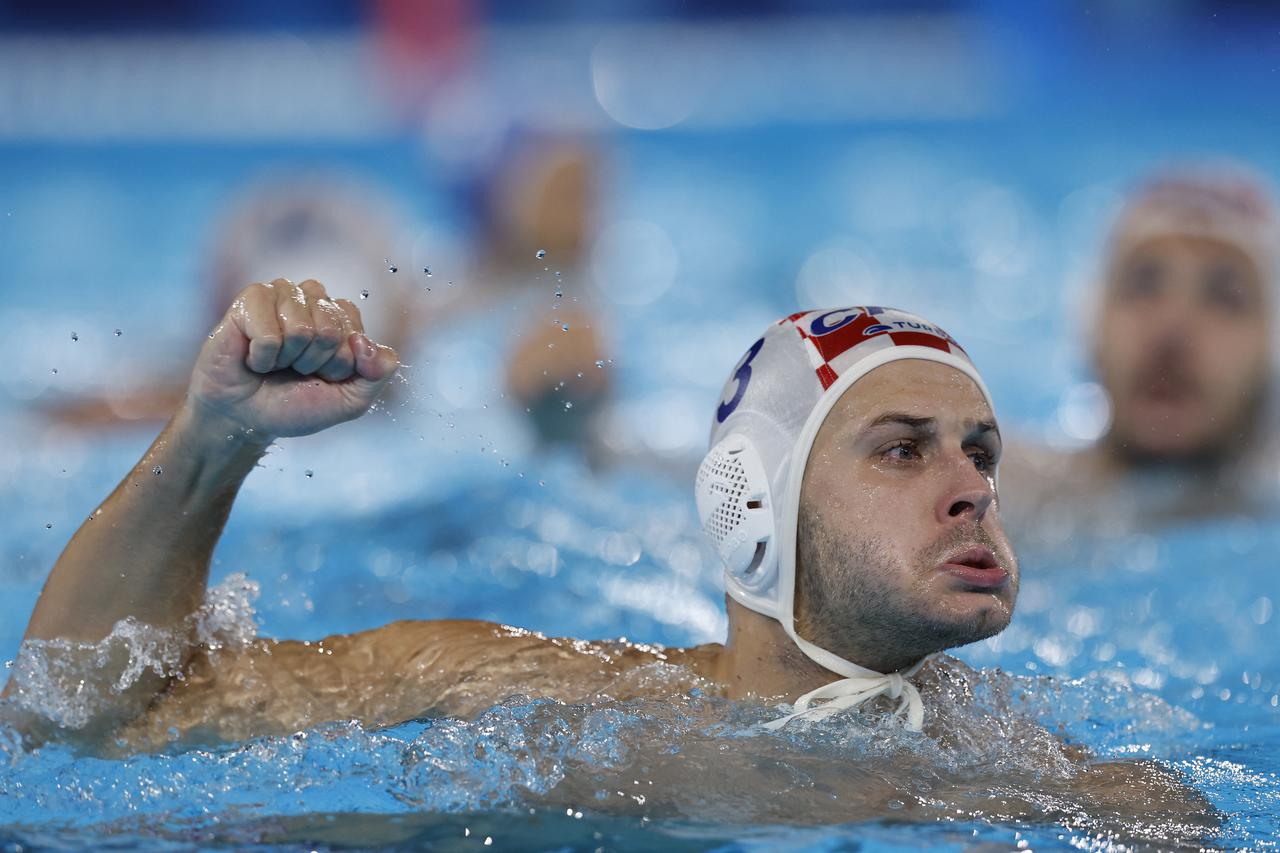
{"points": [[742, 376]]}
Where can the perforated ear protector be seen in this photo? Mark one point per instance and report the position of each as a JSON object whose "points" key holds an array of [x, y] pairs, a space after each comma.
{"points": [[736, 511]]}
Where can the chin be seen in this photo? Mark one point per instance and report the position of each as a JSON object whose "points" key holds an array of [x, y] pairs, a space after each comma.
{"points": [[1166, 431], [968, 621]]}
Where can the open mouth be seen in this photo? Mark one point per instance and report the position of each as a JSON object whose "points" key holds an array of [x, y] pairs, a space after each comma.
{"points": [[976, 567]]}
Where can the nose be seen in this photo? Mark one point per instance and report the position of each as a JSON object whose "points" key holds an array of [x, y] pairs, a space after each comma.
{"points": [[967, 494], [1172, 318]]}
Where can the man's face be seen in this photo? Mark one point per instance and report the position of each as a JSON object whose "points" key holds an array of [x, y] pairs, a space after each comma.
{"points": [[901, 551], [1183, 349]]}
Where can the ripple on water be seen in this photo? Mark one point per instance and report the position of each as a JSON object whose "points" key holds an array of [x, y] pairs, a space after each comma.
{"points": [[683, 757]]}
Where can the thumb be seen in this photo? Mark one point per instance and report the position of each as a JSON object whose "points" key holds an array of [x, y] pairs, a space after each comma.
{"points": [[222, 358], [375, 365]]}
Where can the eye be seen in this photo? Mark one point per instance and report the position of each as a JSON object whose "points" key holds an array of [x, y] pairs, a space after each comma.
{"points": [[901, 451], [1142, 280], [1225, 288], [983, 460]]}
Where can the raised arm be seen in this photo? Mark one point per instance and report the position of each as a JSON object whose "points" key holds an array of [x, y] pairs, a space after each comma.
{"points": [[286, 360]]}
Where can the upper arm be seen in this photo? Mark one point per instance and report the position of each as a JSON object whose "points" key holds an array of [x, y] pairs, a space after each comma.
{"points": [[378, 677]]}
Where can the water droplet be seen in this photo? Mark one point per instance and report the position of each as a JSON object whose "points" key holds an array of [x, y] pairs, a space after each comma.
{"points": [[568, 404], [427, 271], [599, 362], [542, 482], [119, 333], [564, 327], [364, 294], [557, 273], [895, 804], [55, 370], [390, 266], [74, 336], [540, 254], [48, 526], [579, 374], [309, 473], [157, 470]]}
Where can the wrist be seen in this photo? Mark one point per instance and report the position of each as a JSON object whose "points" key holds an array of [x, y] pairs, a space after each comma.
{"points": [[202, 433]]}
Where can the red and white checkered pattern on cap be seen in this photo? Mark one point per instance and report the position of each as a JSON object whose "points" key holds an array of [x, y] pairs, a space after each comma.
{"points": [[830, 336]]}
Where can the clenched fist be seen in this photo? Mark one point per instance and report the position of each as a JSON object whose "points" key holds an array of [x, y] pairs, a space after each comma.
{"points": [[288, 360]]}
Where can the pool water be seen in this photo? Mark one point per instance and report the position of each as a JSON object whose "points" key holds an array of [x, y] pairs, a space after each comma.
{"points": [[1161, 645], [1155, 646]]}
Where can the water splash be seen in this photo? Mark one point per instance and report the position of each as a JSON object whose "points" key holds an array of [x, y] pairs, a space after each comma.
{"points": [[69, 683], [680, 756]]}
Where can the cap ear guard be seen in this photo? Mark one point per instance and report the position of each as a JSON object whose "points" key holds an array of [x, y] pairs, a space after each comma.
{"points": [[736, 511]]}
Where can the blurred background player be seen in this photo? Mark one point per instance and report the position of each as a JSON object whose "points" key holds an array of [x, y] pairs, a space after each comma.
{"points": [[1183, 345], [522, 282], [539, 212], [295, 226]]}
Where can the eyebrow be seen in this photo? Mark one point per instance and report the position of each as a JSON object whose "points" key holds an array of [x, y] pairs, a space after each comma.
{"points": [[928, 426], [903, 419]]}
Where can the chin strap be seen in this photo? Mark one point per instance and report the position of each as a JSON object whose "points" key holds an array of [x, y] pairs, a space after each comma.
{"points": [[852, 692]]}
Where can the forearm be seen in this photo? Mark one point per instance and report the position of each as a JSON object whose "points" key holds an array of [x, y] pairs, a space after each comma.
{"points": [[144, 553], [285, 361]]}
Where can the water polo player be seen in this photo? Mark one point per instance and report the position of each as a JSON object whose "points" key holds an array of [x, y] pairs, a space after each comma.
{"points": [[1182, 338], [849, 489]]}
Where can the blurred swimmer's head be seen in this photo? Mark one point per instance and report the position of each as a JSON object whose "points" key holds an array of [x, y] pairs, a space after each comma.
{"points": [[1183, 341], [329, 227], [850, 489], [542, 195]]}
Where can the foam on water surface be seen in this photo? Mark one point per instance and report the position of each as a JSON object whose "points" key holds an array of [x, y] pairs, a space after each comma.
{"points": [[1152, 659]]}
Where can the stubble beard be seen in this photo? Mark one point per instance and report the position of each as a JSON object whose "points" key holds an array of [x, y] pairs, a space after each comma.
{"points": [[846, 604]]}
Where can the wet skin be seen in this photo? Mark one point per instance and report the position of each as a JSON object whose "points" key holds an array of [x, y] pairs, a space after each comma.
{"points": [[1183, 346], [902, 467], [916, 437], [902, 551]]}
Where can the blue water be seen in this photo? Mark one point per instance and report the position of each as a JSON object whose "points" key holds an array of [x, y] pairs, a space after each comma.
{"points": [[1161, 645]]}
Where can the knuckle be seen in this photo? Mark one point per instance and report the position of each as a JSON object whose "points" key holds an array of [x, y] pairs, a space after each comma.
{"points": [[256, 289], [270, 342], [329, 336], [301, 332]]}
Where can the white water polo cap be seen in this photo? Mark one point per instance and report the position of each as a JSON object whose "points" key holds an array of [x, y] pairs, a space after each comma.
{"points": [[770, 411]]}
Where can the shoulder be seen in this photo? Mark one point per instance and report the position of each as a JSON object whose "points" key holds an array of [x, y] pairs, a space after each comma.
{"points": [[409, 641]]}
